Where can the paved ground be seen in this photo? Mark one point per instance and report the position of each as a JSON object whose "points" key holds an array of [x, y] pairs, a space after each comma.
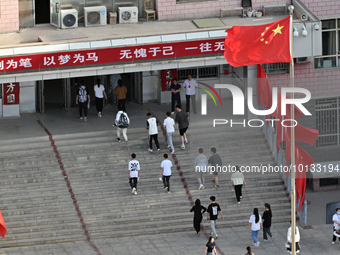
{"points": [[231, 241]]}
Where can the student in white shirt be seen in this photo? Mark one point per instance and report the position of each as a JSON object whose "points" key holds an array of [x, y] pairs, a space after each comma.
{"points": [[166, 172], [255, 221], [297, 238], [134, 170], [336, 220], [152, 126], [190, 86], [237, 181], [169, 125], [99, 92]]}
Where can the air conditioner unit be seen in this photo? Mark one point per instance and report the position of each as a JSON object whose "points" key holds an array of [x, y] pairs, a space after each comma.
{"points": [[69, 18], [304, 60], [128, 14], [95, 16]]}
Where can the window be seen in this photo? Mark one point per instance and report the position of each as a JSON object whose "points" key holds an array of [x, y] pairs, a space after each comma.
{"points": [[327, 121], [276, 68], [198, 73], [329, 182], [330, 45]]}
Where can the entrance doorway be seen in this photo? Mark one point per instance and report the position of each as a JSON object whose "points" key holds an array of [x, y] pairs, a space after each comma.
{"points": [[42, 11]]}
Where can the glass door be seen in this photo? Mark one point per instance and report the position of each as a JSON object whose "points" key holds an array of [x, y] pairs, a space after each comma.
{"points": [[54, 12]]}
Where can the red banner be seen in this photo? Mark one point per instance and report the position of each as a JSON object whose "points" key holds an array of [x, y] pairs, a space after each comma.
{"points": [[128, 54], [10, 93], [167, 77]]}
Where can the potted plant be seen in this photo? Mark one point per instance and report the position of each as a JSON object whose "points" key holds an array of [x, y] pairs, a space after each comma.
{"points": [[249, 12], [259, 14]]}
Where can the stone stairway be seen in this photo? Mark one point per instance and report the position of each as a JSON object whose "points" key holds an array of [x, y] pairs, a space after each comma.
{"points": [[37, 206]]}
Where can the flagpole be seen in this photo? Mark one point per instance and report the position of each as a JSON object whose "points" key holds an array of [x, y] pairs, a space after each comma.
{"points": [[292, 135]]}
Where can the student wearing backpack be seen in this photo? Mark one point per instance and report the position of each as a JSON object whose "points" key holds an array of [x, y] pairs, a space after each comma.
{"points": [[122, 122], [82, 99], [99, 92]]}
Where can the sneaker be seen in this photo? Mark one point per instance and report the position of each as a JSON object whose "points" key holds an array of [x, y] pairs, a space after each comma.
{"points": [[126, 141], [133, 190], [81, 118], [135, 193], [186, 141], [169, 147], [198, 234], [172, 113], [118, 140], [203, 187], [173, 152], [165, 188], [272, 238], [298, 251], [211, 233], [216, 186], [150, 150], [168, 192], [265, 240], [216, 237], [254, 244], [200, 187], [333, 242], [182, 147], [158, 149], [238, 203], [240, 196], [98, 114], [85, 118], [257, 244]]}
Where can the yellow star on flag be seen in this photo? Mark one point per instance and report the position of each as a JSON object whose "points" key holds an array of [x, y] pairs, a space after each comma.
{"points": [[262, 39], [278, 30]]}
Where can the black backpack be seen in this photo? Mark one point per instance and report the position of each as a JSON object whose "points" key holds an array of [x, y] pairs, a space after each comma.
{"points": [[123, 121]]}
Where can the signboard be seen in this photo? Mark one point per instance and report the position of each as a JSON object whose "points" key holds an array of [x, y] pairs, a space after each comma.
{"points": [[130, 54], [167, 77], [10, 93]]}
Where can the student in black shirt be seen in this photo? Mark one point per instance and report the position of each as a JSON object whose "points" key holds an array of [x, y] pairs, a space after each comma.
{"points": [[267, 222], [213, 210], [210, 247], [175, 95], [197, 209]]}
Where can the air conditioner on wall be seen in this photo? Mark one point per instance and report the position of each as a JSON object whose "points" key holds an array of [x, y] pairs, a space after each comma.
{"points": [[69, 18], [95, 16], [128, 14], [304, 60]]}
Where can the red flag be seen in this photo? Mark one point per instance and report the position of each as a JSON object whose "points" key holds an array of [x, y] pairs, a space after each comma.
{"points": [[264, 90], [250, 45], [3, 228], [303, 163], [302, 134]]}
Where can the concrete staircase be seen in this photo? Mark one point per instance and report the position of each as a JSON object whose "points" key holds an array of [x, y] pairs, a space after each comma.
{"points": [[37, 206]]}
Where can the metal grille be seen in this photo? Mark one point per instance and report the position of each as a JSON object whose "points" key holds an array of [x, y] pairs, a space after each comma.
{"points": [[329, 181], [327, 121], [276, 68], [199, 72]]}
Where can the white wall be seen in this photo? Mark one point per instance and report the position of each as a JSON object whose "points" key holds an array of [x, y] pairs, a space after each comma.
{"points": [[27, 96]]}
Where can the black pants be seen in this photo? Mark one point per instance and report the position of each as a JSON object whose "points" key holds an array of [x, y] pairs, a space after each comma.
{"points": [[166, 181], [155, 138], [238, 192], [265, 231], [82, 106], [197, 223], [173, 100], [193, 99], [334, 237], [121, 103], [296, 247], [99, 104], [133, 182]]}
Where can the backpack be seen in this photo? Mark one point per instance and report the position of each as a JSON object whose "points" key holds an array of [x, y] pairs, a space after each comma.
{"points": [[82, 94], [123, 121]]}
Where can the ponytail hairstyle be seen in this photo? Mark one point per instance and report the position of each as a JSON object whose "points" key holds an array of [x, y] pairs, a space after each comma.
{"points": [[98, 82], [248, 250], [269, 209], [256, 213]]}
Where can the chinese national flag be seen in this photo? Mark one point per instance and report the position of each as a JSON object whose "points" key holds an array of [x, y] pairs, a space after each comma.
{"points": [[3, 228], [250, 45]]}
